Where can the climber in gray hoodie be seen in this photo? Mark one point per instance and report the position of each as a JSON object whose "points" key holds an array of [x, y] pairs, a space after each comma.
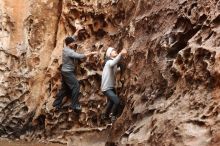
{"points": [[70, 85], [108, 81]]}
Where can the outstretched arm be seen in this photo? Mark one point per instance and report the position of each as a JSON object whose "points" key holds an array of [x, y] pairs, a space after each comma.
{"points": [[115, 60], [118, 58], [91, 53], [121, 68], [76, 55]]}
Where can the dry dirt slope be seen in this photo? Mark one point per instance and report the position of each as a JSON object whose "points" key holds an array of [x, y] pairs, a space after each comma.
{"points": [[170, 88]]}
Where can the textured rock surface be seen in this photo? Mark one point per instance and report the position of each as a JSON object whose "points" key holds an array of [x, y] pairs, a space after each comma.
{"points": [[170, 89]]}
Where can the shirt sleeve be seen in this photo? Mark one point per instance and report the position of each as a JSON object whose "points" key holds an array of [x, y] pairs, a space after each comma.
{"points": [[75, 55], [115, 60]]}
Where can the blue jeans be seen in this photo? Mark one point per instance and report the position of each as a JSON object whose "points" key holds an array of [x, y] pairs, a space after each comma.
{"points": [[113, 102]]}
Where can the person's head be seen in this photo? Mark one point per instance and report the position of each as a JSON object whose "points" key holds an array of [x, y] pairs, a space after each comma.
{"points": [[78, 25], [111, 52], [71, 42]]}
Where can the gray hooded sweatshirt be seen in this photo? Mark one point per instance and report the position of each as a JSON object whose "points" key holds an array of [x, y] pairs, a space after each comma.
{"points": [[68, 59], [108, 74]]}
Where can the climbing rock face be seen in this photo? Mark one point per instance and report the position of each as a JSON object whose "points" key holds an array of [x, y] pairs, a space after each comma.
{"points": [[169, 88]]}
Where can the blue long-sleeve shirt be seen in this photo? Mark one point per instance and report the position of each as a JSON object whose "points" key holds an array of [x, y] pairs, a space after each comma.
{"points": [[68, 58]]}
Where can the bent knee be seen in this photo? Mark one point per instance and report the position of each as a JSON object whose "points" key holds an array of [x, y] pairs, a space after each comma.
{"points": [[117, 100], [76, 86]]}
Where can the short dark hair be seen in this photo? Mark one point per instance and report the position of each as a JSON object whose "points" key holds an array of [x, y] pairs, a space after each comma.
{"points": [[69, 40]]}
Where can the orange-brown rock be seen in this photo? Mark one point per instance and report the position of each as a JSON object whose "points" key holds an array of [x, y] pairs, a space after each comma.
{"points": [[169, 90]]}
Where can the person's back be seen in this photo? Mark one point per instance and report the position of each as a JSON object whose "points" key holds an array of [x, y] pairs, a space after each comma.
{"points": [[69, 56], [70, 85], [108, 74], [108, 82]]}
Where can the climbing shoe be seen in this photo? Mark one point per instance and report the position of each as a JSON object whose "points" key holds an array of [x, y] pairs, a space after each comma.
{"points": [[104, 117], [57, 103], [57, 106], [112, 117], [77, 108]]}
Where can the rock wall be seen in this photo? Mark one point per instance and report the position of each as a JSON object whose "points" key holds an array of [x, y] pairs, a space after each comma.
{"points": [[169, 89]]}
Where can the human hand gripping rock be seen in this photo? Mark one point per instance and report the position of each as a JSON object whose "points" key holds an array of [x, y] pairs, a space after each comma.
{"points": [[124, 52], [91, 53]]}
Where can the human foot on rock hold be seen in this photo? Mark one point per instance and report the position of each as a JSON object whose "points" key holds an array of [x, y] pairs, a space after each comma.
{"points": [[104, 116], [114, 1], [57, 103], [112, 117], [77, 108]]}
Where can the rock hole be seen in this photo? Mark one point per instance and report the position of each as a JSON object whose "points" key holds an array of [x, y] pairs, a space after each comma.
{"points": [[192, 6], [182, 42], [199, 123], [75, 13], [110, 144], [100, 33], [179, 59], [217, 20], [185, 10], [36, 60], [83, 35], [209, 36], [41, 120], [175, 74], [202, 18], [199, 41], [187, 53], [138, 129]]}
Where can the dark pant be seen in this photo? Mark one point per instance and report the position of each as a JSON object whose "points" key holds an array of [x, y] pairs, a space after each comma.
{"points": [[70, 87], [113, 102]]}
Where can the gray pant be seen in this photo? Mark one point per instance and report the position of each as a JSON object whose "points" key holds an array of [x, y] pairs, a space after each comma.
{"points": [[113, 102], [70, 87]]}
